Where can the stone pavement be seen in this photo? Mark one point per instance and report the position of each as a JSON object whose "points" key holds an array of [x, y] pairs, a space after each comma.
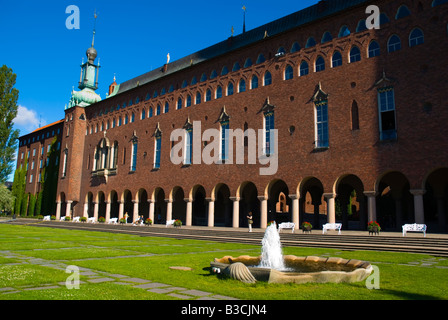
{"points": [[95, 276]]}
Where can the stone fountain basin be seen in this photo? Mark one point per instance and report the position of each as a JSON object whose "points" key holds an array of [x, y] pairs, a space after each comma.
{"points": [[303, 269]]}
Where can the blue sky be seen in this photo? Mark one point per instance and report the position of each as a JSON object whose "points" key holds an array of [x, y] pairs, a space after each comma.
{"points": [[132, 38]]}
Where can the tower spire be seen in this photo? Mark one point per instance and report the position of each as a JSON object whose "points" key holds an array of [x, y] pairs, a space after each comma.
{"points": [[244, 19], [94, 28]]}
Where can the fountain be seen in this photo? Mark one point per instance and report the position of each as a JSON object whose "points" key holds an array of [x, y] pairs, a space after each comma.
{"points": [[271, 266]]}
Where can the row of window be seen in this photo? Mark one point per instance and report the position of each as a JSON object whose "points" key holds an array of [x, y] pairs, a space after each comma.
{"points": [[416, 37], [106, 156], [38, 137]]}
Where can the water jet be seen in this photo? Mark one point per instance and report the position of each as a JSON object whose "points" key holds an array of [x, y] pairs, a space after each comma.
{"points": [[273, 267]]}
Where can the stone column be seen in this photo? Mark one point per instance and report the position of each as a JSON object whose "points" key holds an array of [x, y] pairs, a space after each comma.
{"points": [[121, 209], [371, 205], [295, 210], [169, 209], [264, 212], [151, 210], [68, 209], [58, 210], [86, 210], [107, 211], [419, 212], [236, 212], [211, 212], [95, 211], [135, 211], [189, 214], [331, 213]]}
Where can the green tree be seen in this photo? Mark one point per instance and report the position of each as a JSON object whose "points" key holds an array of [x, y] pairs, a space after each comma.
{"points": [[6, 199], [8, 111], [18, 187]]}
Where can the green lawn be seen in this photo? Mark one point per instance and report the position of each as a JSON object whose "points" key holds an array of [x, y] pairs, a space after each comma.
{"points": [[402, 275]]}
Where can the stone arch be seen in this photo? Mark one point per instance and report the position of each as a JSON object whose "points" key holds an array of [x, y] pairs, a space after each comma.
{"points": [[279, 202], [394, 202], [223, 206], [101, 200], [128, 205], [350, 206], [143, 204], [89, 213], [312, 207], [158, 196], [198, 197], [247, 194], [114, 204], [435, 199], [177, 196]]}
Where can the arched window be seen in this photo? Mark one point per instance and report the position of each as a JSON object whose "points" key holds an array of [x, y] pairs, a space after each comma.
{"points": [[295, 47], [208, 95], [248, 63], [320, 64], [179, 103], [242, 86], [267, 78], [281, 50], [326, 37], [438, 2], [236, 67], [194, 80], [289, 73], [254, 82], [167, 107], [394, 43], [355, 116], [355, 54], [203, 77], [310, 42], [402, 12], [213, 75], [150, 114], [361, 26], [184, 84], [143, 116], [230, 89], [416, 37], [304, 69], [218, 92], [158, 110], [343, 32], [198, 98], [336, 60], [374, 49], [224, 71], [188, 101], [260, 58]]}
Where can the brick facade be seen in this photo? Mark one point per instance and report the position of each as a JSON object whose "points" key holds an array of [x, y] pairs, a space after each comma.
{"points": [[402, 178]]}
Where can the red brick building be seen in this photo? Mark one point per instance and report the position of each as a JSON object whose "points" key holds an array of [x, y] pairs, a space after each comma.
{"points": [[360, 116]]}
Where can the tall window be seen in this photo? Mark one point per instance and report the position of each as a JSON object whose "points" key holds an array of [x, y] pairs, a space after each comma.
{"points": [[267, 78], [355, 54], [188, 102], [374, 49], [179, 104], [269, 126], [386, 105], [304, 70], [289, 73], [134, 156], [336, 60], [198, 98], [242, 86], [394, 44], [320, 64], [188, 145], [254, 82], [167, 107], [158, 110], [218, 92], [208, 95], [157, 150], [230, 89], [224, 148], [416, 37], [321, 124]]}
